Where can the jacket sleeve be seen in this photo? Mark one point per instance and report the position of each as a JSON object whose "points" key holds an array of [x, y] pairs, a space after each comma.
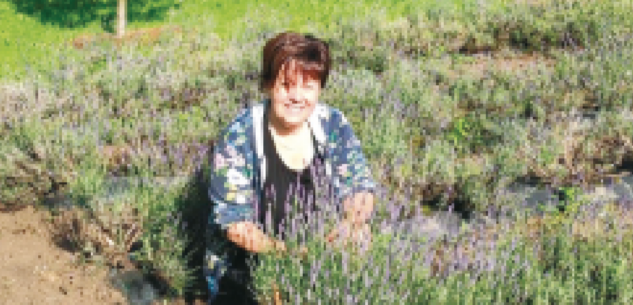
{"points": [[350, 170], [231, 188]]}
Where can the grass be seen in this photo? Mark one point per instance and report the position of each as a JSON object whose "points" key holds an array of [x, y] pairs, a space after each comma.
{"points": [[440, 120]]}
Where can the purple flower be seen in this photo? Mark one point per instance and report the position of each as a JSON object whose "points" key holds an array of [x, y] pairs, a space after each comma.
{"points": [[443, 124], [313, 275], [281, 227], [395, 212], [503, 269], [464, 261], [367, 280], [293, 227], [344, 262], [514, 243], [269, 221], [401, 279], [287, 206], [491, 264], [387, 271], [428, 259]]}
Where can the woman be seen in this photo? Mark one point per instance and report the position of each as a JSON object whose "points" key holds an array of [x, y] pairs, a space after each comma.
{"points": [[273, 145]]}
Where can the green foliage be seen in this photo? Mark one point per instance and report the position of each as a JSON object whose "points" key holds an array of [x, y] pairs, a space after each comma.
{"points": [[38, 161], [384, 135], [417, 102], [163, 229]]}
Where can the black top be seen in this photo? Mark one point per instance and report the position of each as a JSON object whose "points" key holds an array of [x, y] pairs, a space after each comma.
{"points": [[284, 181]]}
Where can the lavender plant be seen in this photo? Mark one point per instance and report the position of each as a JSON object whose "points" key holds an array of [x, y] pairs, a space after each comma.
{"points": [[162, 105]]}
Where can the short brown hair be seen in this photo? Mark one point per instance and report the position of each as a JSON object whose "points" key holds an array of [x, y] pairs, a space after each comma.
{"points": [[311, 54]]}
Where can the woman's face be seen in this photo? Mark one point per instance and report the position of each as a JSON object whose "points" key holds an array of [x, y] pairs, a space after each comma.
{"points": [[292, 100]]}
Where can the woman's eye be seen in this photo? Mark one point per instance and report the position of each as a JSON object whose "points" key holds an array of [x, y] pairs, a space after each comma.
{"points": [[308, 87]]}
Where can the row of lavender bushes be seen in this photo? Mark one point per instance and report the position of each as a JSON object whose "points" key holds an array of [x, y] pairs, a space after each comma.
{"points": [[429, 117], [581, 256]]}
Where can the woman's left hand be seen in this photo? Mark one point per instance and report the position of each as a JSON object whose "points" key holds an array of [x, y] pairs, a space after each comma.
{"points": [[300, 252], [345, 232]]}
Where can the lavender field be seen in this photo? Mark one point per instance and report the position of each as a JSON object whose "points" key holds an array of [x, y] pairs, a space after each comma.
{"points": [[459, 111]]}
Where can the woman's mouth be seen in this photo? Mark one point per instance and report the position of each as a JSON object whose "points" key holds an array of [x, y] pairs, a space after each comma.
{"points": [[294, 109]]}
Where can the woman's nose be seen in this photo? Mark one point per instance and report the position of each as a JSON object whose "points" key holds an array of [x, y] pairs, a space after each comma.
{"points": [[294, 92]]}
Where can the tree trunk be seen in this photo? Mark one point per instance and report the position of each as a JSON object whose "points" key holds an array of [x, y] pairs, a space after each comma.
{"points": [[121, 20]]}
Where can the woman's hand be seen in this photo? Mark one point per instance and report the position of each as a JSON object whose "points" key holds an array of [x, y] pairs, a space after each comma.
{"points": [[302, 252], [279, 248], [359, 235]]}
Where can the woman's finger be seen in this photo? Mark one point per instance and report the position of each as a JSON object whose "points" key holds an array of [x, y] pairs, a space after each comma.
{"points": [[303, 252], [276, 295], [333, 235]]}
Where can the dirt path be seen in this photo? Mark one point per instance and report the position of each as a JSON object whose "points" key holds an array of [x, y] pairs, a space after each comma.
{"points": [[33, 270]]}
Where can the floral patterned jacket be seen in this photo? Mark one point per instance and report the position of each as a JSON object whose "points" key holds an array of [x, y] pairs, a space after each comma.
{"points": [[239, 170]]}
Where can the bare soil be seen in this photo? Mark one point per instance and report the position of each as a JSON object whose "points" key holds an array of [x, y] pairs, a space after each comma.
{"points": [[33, 270], [514, 63]]}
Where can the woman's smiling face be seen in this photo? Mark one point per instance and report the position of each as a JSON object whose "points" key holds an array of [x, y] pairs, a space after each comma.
{"points": [[294, 96]]}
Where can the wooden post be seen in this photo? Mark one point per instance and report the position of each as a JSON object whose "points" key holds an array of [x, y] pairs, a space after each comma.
{"points": [[121, 18]]}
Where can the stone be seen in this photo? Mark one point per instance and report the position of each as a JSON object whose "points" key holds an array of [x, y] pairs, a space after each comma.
{"points": [[135, 286], [623, 191], [600, 194]]}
